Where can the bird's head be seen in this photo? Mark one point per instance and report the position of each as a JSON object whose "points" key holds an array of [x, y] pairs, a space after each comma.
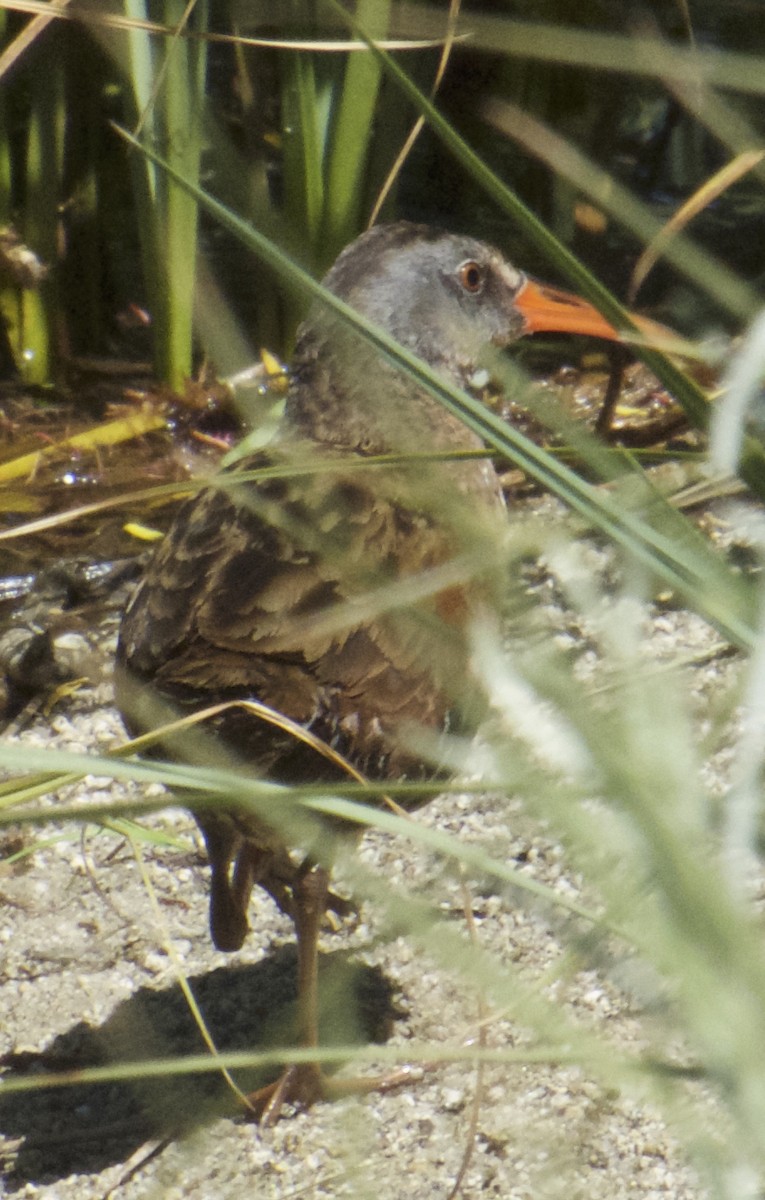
{"points": [[443, 296]]}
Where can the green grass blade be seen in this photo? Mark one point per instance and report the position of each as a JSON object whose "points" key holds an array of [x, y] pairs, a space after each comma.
{"points": [[304, 116], [684, 389], [348, 148], [731, 607], [181, 100], [597, 50]]}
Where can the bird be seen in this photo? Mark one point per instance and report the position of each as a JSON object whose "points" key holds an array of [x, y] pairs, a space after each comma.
{"points": [[318, 598]]}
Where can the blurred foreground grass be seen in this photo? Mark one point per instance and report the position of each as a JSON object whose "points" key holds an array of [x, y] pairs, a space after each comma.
{"points": [[608, 748]]}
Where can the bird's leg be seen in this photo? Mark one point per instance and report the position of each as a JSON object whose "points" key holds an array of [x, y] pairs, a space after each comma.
{"points": [[278, 876], [249, 865], [302, 1083], [237, 864], [311, 893], [228, 914], [305, 1083]]}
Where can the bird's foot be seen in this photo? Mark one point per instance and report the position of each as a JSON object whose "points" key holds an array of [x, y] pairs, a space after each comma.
{"points": [[300, 1085], [303, 1084]]}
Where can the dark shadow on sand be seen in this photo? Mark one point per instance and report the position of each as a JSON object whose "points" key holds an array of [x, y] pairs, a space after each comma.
{"points": [[86, 1128]]}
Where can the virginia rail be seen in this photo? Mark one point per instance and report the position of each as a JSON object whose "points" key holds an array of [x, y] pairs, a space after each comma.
{"points": [[289, 589]]}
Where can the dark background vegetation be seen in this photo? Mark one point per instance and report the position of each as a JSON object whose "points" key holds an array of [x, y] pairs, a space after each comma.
{"points": [[71, 193]]}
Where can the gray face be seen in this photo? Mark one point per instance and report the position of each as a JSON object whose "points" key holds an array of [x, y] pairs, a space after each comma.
{"points": [[443, 296]]}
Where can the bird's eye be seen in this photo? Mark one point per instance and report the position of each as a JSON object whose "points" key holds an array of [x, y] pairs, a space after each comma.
{"points": [[471, 276]]}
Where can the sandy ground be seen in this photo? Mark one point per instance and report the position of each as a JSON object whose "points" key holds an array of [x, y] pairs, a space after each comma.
{"points": [[85, 979]]}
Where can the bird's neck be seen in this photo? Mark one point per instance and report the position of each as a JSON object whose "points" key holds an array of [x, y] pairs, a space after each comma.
{"points": [[344, 395], [345, 398]]}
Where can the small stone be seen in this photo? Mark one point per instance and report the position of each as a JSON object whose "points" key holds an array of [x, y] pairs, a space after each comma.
{"points": [[452, 1100]]}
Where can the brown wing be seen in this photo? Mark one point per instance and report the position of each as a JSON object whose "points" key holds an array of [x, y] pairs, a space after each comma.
{"points": [[252, 594]]}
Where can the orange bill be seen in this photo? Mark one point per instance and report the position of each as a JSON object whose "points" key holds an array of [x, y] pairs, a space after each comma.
{"points": [[551, 310]]}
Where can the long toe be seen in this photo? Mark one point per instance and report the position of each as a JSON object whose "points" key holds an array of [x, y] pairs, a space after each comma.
{"points": [[299, 1086]]}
